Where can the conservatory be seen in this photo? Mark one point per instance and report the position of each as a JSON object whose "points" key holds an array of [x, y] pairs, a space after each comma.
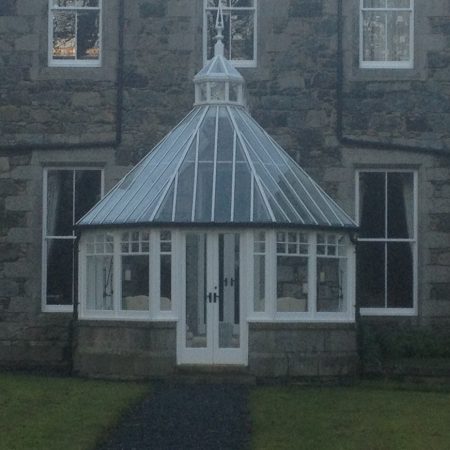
{"points": [[221, 240]]}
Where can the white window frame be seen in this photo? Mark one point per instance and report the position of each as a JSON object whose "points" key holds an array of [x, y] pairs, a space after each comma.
{"points": [[393, 311], [46, 237], [270, 313], [385, 64], [74, 62], [226, 9], [154, 313]]}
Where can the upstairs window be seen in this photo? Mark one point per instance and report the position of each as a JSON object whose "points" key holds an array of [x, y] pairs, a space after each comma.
{"points": [[387, 243], [386, 34], [239, 33], [75, 32]]}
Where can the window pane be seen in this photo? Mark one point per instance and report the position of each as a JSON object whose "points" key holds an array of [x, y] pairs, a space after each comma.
{"points": [[259, 283], [370, 286], [217, 90], [60, 271], [238, 29], [374, 3], [99, 282], [292, 284], [331, 284], [398, 42], [88, 45], [135, 282], [60, 203], [374, 36], [87, 191], [400, 205], [75, 3], [398, 3], [64, 35], [242, 3], [211, 32], [166, 283], [242, 29], [372, 204], [399, 275]]}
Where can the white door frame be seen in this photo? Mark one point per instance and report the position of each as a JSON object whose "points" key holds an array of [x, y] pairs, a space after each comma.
{"points": [[212, 354]]}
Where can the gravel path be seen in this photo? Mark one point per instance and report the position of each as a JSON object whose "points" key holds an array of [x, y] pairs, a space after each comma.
{"points": [[186, 416]]}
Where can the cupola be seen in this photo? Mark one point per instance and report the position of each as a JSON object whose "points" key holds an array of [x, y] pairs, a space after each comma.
{"points": [[219, 82]]}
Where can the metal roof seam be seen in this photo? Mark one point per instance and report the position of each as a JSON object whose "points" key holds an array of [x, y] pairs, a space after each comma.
{"points": [[270, 174], [181, 160], [258, 182], [139, 168], [151, 185]]}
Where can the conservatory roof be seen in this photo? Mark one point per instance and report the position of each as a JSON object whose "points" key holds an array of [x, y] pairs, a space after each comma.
{"points": [[217, 166]]}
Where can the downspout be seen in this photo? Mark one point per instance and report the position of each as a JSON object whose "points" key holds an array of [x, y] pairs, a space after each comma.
{"points": [[340, 131], [23, 148], [73, 336]]}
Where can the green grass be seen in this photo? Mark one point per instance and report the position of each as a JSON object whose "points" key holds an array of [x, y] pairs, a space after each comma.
{"points": [[369, 417], [60, 413]]}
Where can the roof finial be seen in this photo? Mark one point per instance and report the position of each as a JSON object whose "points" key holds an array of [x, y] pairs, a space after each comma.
{"points": [[219, 47]]}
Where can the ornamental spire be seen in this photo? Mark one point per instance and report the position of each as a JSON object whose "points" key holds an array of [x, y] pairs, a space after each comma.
{"points": [[219, 47]]}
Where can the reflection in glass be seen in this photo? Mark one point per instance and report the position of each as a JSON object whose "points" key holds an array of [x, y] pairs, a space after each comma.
{"points": [[99, 282], [196, 325], [135, 282]]}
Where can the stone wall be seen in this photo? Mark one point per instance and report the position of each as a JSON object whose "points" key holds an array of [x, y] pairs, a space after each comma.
{"points": [[41, 105], [401, 106], [292, 93], [28, 336], [132, 350], [302, 350]]}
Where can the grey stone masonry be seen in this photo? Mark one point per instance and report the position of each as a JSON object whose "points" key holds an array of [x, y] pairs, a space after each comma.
{"points": [[41, 105], [401, 106], [293, 92], [125, 349], [302, 350]]}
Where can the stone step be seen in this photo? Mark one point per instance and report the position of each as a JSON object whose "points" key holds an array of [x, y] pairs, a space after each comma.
{"points": [[220, 374]]}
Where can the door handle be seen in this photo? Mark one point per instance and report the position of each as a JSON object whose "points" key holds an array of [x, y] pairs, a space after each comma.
{"points": [[216, 297], [209, 297]]}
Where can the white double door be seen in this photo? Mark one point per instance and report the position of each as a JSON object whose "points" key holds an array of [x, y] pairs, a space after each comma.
{"points": [[212, 326]]}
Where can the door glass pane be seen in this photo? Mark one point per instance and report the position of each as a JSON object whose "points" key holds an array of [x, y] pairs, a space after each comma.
{"points": [[229, 301], [196, 325]]}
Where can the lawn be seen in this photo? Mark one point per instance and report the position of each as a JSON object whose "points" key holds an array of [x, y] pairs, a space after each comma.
{"points": [[369, 417], [60, 413]]}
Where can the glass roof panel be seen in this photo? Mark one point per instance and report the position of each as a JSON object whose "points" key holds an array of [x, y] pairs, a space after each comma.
{"points": [[222, 167], [222, 212], [204, 188], [185, 190]]}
